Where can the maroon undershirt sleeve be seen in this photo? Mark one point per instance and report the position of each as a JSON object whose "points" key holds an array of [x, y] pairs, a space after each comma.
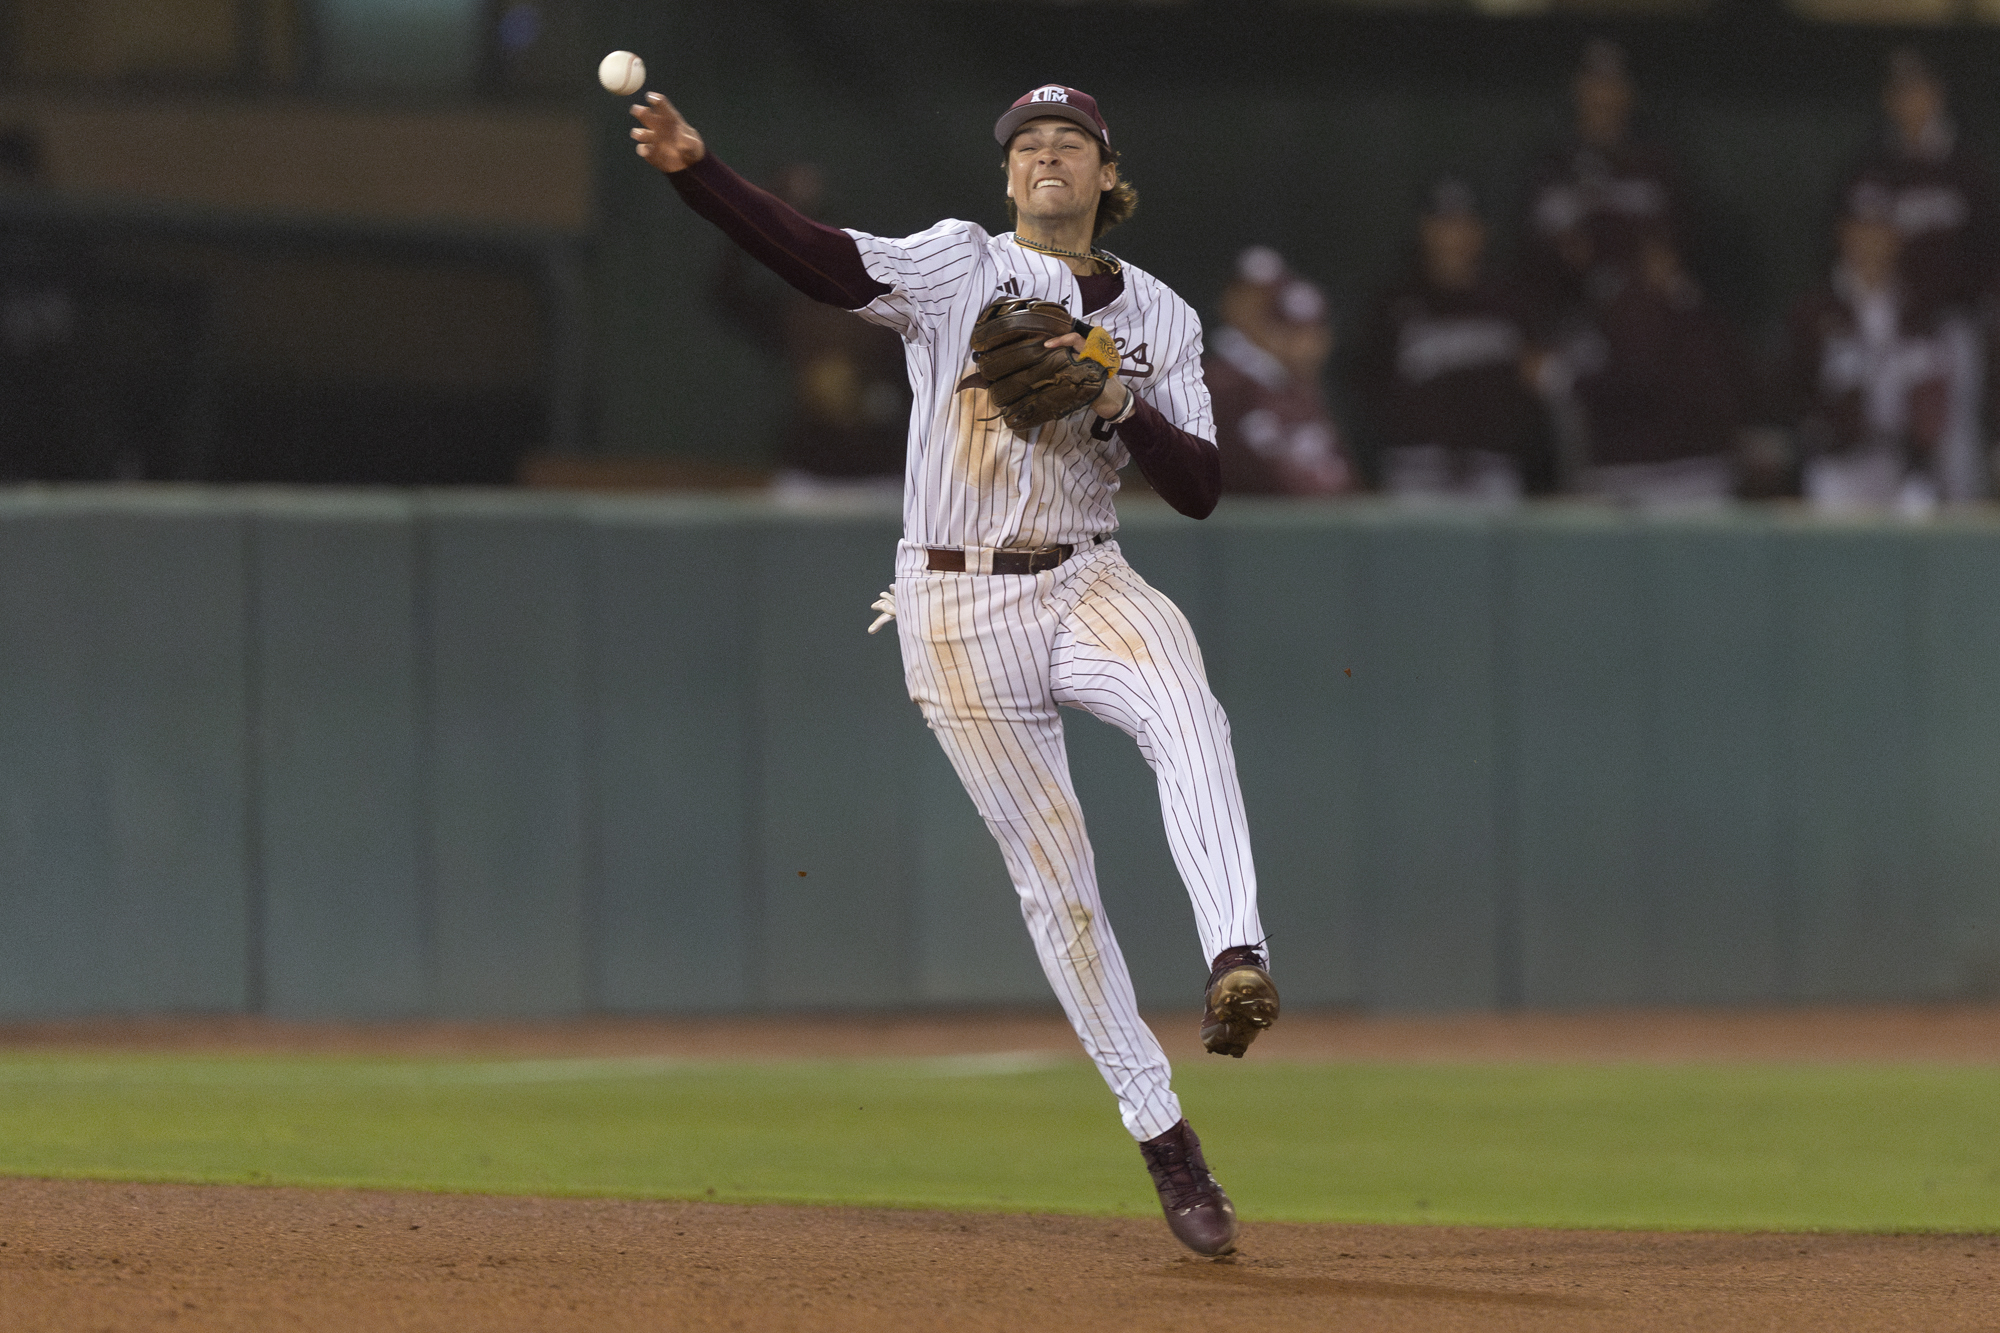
{"points": [[1185, 469], [821, 261]]}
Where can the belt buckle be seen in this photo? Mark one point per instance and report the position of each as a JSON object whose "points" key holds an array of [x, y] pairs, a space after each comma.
{"points": [[1039, 558]]}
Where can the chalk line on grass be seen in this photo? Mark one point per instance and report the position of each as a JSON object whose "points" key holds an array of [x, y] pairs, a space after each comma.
{"points": [[201, 1072]]}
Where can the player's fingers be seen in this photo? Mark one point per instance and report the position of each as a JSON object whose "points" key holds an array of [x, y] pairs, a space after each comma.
{"points": [[656, 121], [663, 110], [1074, 341]]}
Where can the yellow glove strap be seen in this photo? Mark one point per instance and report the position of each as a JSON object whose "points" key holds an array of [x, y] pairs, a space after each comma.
{"points": [[1098, 347]]}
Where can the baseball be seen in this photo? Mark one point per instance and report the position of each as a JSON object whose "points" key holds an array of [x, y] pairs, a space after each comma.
{"points": [[622, 72]]}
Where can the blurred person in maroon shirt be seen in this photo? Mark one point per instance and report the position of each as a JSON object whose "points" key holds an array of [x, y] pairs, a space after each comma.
{"points": [[1594, 198], [1263, 369], [1443, 369], [1659, 388], [1941, 201], [847, 427], [1940, 194], [1868, 374]]}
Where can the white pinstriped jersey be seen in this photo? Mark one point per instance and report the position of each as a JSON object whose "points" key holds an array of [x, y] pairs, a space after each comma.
{"points": [[970, 481], [991, 658]]}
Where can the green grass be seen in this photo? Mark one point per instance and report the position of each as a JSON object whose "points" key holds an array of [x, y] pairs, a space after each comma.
{"points": [[1852, 1147]]}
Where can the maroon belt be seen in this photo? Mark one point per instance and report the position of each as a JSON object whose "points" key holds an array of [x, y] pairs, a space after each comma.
{"points": [[949, 560]]}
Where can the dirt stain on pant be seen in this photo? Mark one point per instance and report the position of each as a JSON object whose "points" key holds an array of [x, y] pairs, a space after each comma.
{"points": [[1080, 937]]}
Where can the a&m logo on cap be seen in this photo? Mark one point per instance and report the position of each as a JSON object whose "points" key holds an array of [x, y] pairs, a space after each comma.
{"points": [[1052, 99]]}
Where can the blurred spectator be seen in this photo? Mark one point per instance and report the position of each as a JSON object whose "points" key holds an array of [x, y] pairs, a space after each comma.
{"points": [[1443, 369], [1940, 199], [1263, 369], [849, 418], [1659, 389], [1869, 372], [43, 429], [104, 371], [1594, 198], [1940, 196]]}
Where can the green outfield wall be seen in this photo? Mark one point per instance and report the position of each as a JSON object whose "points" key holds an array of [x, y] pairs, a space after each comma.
{"points": [[357, 755]]}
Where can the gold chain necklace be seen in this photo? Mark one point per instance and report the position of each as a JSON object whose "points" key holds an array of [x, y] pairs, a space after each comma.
{"points": [[1111, 262]]}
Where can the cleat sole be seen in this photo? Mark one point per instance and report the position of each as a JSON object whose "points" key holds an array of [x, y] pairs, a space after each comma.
{"points": [[1241, 1004]]}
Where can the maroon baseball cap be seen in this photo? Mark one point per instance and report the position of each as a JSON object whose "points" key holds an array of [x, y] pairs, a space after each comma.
{"points": [[1052, 99]]}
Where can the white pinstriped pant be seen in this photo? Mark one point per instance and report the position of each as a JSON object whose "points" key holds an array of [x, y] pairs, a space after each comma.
{"points": [[989, 658]]}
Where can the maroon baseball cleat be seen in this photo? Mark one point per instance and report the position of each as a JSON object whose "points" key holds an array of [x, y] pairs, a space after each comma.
{"points": [[1241, 1001], [1199, 1213]]}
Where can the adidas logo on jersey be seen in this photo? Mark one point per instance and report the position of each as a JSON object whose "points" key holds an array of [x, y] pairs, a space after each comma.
{"points": [[1055, 92]]}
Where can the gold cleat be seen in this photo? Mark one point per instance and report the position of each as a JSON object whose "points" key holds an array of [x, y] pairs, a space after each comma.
{"points": [[1242, 1001]]}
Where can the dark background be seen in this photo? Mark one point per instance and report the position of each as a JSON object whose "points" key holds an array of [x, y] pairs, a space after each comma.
{"points": [[1308, 128], [346, 326]]}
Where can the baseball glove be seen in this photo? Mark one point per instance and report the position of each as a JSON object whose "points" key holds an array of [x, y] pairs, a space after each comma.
{"points": [[1032, 384]]}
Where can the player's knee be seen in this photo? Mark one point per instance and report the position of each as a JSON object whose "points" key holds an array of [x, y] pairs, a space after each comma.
{"points": [[1065, 926]]}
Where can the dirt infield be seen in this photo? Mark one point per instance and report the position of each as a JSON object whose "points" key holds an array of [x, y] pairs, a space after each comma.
{"points": [[89, 1256], [86, 1256]]}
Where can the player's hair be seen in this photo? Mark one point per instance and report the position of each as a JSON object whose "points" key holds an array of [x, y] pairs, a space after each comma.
{"points": [[1114, 205]]}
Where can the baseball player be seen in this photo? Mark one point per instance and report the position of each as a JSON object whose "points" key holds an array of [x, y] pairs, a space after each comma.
{"points": [[1041, 364], [1598, 197], [1942, 202], [1869, 373], [1275, 431], [1442, 368]]}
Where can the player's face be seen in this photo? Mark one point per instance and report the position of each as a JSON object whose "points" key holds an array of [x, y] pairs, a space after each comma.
{"points": [[1055, 172]]}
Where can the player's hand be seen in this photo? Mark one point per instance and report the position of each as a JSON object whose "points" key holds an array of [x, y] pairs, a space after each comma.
{"points": [[663, 138], [1112, 401]]}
